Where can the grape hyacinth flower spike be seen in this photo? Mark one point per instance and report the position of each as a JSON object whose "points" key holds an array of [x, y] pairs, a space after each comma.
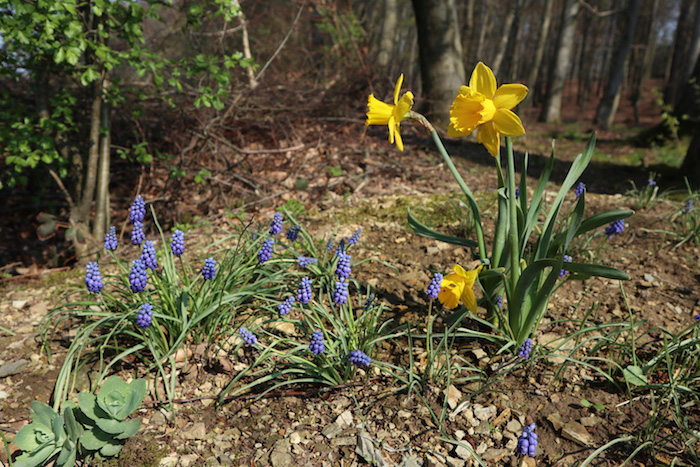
{"points": [[138, 276], [580, 188], [305, 261], [148, 256], [434, 287], [177, 244], [93, 279], [651, 182], [304, 293], [249, 338], [265, 252], [209, 269], [340, 294], [343, 268], [688, 206], [137, 235], [355, 237], [615, 228], [137, 212], [317, 346], [359, 358], [293, 233], [499, 302], [564, 272], [145, 316], [527, 442], [525, 349], [329, 244], [276, 225], [111, 239], [286, 306]]}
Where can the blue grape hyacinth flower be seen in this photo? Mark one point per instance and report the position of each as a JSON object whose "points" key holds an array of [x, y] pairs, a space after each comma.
{"points": [[580, 189], [359, 358], [343, 268], [137, 212], [498, 302], [93, 279], [265, 252], [304, 293], [340, 294], [144, 317], [305, 261], [148, 256], [688, 206], [293, 233], [329, 244], [177, 243], [527, 441], [138, 277], [355, 237], [286, 306], [525, 349], [209, 269], [434, 287], [615, 228], [249, 338], [564, 272], [317, 346], [137, 235], [111, 239], [276, 225]]}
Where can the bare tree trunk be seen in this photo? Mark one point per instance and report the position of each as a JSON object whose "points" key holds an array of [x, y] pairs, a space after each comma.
{"points": [[534, 73], [440, 53], [680, 47], [390, 21], [101, 221], [551, 110], [694, 48], [505, 35], [647, 60], [252, 82], [485, 19], [608, 104]]}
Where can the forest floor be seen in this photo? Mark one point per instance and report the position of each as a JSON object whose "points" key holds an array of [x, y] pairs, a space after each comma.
{"points": [[343, 178]]}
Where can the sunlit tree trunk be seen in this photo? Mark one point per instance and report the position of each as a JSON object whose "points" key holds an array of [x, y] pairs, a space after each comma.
{"points": [[551, 110], [536, 64], [101, 220], [440, 52], [387, 43], [608, 104]]}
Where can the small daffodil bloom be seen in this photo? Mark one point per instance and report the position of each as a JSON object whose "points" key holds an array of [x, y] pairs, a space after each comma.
{"points": [[381, 113], [482, 107], [457, 287]]}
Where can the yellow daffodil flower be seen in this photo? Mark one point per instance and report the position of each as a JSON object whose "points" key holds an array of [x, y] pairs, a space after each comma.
{"points": [[457, 286], [482, 107], [381, 113]]}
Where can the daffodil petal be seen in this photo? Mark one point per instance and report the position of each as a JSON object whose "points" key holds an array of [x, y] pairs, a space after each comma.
{"points": [[459, 270], [397, 89], [469, 299], [509, 95], [488, 136], [399, 141], [403, 106], [465, 112], [392, 129], [379, 112], [450, 293], [506, 122], [483, 81], [455, 133]]}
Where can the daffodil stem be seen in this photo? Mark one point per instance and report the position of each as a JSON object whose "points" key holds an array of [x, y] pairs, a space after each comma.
{"points": [[465, 189], [513, 215]]}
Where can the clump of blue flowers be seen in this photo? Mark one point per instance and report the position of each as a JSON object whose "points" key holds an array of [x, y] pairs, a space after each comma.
{"points": [[527, 441], [138, 277], [580, 189], [286, 306], [111, 239], [137, 235], [304, 291], [616, 228], [305, 261], [265, 252], [340, 294], [209, 269], [148, 256], [434, 287], [276, 225], [343, 268], [525, 349], [145, 316], [249, 338], [137, 212], [293, 233], [177, 244], [359, 358], [317, 346], [93, 279]]}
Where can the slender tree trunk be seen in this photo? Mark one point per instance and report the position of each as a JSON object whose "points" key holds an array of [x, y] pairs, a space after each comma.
{"points": [[534, 73], [101, 221], [680, 46], [505, 35], [484, 23], [694, 48], [608, 104], [440, 53], [646, 61], [88, 195], [551, 110], [390, 21], [583, 70]]}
